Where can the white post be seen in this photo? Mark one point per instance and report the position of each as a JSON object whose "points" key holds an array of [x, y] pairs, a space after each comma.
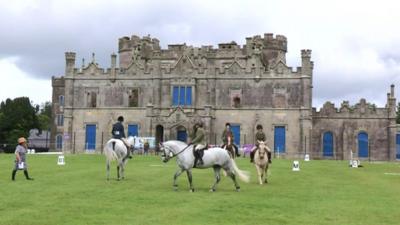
{"points": [[296, 166], [61, 160]]}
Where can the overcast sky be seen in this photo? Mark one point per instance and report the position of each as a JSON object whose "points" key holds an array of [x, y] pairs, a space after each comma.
{"points": [[355, 44]]}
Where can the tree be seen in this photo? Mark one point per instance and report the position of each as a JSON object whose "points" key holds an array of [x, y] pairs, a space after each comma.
{"points": [[398, 114], [44, 116], [18, 116]]}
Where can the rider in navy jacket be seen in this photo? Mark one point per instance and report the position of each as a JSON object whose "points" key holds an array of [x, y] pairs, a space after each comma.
{"points": [[118, 132]]}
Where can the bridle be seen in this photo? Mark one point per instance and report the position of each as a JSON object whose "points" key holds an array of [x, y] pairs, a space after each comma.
{"points": [[173, 154]]}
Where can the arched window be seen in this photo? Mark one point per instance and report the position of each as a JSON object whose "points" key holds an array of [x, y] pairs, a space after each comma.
{"points": [[61, 100], [362, 144], [327, 140], [59, 142]]}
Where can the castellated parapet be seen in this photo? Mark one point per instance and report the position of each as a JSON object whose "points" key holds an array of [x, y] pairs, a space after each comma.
{"points": [[306, 53], [264, 56]]}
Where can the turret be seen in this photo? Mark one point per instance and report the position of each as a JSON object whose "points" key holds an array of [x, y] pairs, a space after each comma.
{"points": [[273, 49], [136, 48], [69, 63], [113, 66], [391, 102], [306, 63]]}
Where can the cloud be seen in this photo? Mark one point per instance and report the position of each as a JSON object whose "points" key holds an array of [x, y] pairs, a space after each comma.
{"points": [[355, 47], [20, 84]]}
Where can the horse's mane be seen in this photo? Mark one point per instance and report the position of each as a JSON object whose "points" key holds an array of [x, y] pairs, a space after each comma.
{"points": [[176, 143]]}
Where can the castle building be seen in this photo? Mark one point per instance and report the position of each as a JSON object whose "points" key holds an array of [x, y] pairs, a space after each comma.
{"points": [[163, 92]]}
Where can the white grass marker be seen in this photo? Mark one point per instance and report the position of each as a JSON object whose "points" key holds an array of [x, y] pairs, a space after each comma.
{"points": [[296, 166], [61, 160]]}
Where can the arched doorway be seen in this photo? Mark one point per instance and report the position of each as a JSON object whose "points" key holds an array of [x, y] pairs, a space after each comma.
{"points": [[181, 133], [159, 135], [362, 144]]}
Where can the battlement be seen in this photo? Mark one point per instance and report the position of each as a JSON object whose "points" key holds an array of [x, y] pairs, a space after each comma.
{"points": [[277, 43], [306, 53], [269, 42], [177, 47], [228, 46], [128, 44], [57, 81], [70, 56], [362, 109]]}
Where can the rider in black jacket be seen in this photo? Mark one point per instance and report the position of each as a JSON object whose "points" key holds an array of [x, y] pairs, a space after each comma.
{"points": [[119, 133]]}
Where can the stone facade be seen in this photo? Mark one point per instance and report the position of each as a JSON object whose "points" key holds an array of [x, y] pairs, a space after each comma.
{"points": [[164, 91]]}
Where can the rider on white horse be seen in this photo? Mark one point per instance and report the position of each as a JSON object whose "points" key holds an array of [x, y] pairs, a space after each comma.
{"points": [[119, 133], [199, 143], [260, 136]]}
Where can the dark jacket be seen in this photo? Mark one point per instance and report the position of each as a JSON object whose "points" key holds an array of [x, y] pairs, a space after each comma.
{"points": [[118, 131], [260, 136]]}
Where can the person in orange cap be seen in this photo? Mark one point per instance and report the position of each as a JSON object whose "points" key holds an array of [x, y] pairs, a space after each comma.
{"points": [[20, 161]]}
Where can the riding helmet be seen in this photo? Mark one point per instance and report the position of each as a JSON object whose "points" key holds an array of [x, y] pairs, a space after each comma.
{"points": [[121, 119]]}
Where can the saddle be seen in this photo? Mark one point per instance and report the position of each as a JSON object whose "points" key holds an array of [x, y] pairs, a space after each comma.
{"points": [[198, 154]]}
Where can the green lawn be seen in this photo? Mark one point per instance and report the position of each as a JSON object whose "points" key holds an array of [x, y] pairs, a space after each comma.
{"points": [[322, 192]]}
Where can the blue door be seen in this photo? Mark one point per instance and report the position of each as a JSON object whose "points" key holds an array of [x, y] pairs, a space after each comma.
{"points": [[90, 143], [397, 146], [133, 130], [236, 134], [362, 144], [182, 135], [328, 144], [279, 139]]}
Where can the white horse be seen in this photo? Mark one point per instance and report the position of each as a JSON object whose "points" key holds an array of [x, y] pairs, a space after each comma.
{"points": [[115, 149], [261, 162], [213, 157]]}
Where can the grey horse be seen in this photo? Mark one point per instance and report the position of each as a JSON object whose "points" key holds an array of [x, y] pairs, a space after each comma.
{"points": [[118, 153], [216, 158]]}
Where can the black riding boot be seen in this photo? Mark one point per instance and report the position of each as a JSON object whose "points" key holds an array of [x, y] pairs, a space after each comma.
{"points": [[252, 156], [196, 158], [269, 157], [201, 153], [26, 175], [13, 174]]}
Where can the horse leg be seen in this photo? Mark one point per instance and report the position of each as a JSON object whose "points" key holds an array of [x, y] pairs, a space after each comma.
{"points": [[265, 174], [217, 177], [108, 169], [233, 177], [259, 173], [178, 172], [118, 172], [189, 175], [123, 163], [123, 170]]}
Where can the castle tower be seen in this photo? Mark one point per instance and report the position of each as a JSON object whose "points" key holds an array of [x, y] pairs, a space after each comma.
{"points": [[136, 49], [69, 63]]}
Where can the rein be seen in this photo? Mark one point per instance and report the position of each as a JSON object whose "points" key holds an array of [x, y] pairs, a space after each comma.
{"points": [[180, 151]]}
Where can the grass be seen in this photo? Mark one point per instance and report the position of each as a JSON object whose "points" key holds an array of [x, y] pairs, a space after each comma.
{"points": [[322, 192]]}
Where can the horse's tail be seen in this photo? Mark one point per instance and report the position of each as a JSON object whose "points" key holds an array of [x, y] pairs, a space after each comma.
{"points": [[109, 152], [243, 175]]}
